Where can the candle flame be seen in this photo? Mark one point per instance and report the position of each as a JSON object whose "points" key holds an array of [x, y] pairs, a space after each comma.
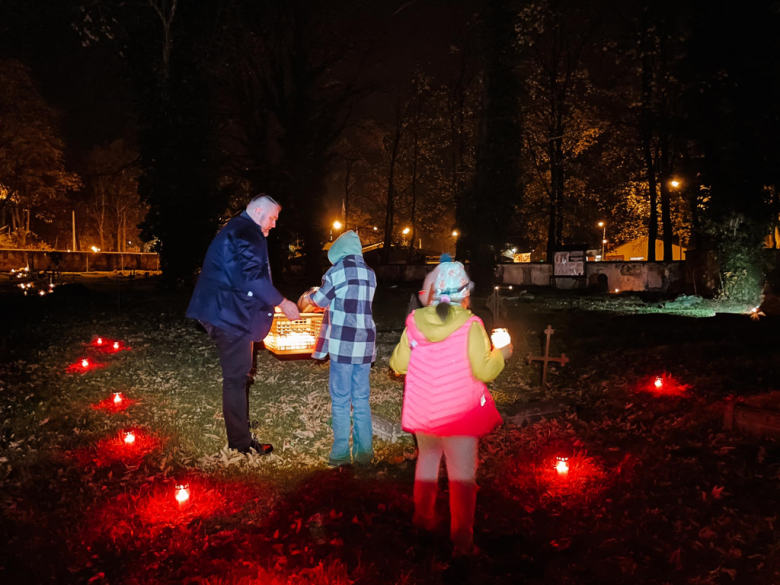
{"points": [[116, 345], [100, 341], [85, 363], [562, 465], [658, 383], [182, 493], [117, 398], [129, 438]]}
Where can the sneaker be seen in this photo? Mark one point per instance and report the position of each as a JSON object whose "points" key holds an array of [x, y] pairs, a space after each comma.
{"points": [[339, 462], [364, 461], [260, 448]]}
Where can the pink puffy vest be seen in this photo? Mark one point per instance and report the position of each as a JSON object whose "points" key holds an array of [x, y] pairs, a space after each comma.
{"points": [[442, 397]]}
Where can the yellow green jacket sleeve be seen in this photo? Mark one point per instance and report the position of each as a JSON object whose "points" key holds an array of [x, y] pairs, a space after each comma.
{"points": [[399, 361], [486, 365]]}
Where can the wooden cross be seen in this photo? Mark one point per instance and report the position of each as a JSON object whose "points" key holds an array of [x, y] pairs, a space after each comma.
{"points": [[546, 358]]}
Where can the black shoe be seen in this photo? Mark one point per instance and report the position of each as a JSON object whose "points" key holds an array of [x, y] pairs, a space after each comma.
{"points": [[260, 448]]}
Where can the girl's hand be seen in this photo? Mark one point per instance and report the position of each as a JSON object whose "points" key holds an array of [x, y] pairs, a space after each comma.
{"points": [[507, 351]]}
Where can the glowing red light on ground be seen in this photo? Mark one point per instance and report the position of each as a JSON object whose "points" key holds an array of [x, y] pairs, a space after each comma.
{"points": [[128, 447], [665, 385], [115, 403], [83, 365], [562, 465], [116, 345], [183, 493], [136, 520], [100, 341]]}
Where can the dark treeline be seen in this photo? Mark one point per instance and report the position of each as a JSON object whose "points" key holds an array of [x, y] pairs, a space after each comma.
{"points": [[484, 126]]}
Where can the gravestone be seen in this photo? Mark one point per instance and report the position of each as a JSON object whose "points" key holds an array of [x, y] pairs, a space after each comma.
{"points": [[752, 420], [525, 413], [386, 429]]}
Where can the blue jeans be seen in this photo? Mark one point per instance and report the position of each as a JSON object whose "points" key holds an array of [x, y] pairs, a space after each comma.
{"points": [[349, 386]]}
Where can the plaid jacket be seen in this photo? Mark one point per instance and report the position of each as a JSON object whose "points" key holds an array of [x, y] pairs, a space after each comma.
{"points": [[348, 333]]}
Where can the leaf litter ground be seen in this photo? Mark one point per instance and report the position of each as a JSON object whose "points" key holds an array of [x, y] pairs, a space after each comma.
{"points": [[656, 492]]}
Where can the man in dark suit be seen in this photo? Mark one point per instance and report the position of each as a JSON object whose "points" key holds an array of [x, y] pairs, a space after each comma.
{"points": [[234, 299]]}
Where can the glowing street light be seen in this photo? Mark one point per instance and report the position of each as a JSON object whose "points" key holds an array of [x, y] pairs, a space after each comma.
{"points": [[674, 183], [603, 225], [406, 231], [455, 234], [336, 225]]}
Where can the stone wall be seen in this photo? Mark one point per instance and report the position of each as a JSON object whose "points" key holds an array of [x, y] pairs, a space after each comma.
{"points": [[638, 276], [526, 274], [77, 261], [624, 276]]}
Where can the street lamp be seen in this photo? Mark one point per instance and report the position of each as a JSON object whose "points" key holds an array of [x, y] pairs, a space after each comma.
{"points": [[455, 234], [406, 231], [674, 183], [336, 226], [603, 225]]}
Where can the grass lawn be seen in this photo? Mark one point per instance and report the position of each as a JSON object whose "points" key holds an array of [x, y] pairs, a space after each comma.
{"points": [[657, 492]]}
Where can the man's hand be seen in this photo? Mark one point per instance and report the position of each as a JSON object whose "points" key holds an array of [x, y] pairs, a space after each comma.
{"points": [[506, 351], [290, 310]]}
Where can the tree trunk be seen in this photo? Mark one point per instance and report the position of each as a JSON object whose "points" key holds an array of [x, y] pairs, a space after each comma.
{"points": [[390, 209], [552, 230], [666, 207], [415, 153], [389, 215], [646, 130], [350, 162], [559, 185]]}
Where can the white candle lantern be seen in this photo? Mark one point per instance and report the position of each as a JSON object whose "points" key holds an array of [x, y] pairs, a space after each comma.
{"points": [[500, 338]]}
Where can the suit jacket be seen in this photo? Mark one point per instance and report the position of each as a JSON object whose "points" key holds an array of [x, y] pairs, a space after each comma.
{"points": [[234, 290]]}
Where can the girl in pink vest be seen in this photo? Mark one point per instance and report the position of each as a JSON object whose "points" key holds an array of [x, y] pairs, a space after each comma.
{"points": [[446, 355]]}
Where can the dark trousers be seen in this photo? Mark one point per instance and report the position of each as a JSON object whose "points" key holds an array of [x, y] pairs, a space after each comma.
{"points": [[236, 358]]}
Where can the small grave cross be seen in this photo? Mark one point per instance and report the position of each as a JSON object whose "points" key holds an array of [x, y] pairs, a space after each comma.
{"points": [[546, 357], [496, 305]]}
